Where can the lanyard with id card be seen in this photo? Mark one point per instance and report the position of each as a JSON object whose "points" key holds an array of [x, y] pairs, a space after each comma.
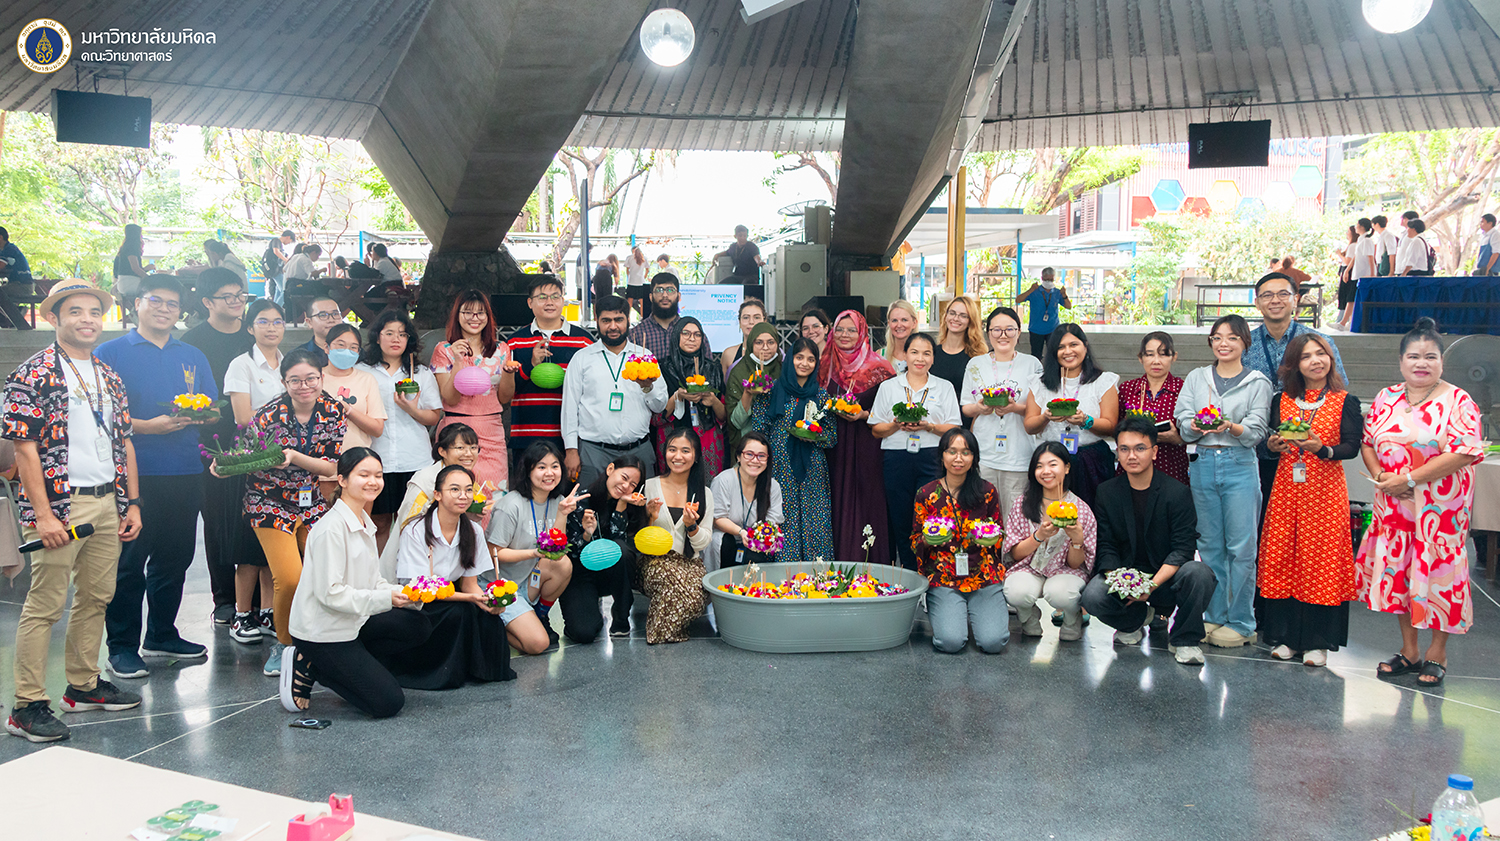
{"points": [[102, 448], [616, 397], [1070, 441]]}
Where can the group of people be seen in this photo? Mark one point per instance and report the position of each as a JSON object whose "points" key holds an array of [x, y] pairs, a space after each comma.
{"points": [[393, 472], [1377, 249]]}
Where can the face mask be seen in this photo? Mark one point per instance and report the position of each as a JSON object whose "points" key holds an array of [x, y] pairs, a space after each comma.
{"points": [[343, 358], [1047, 284]]}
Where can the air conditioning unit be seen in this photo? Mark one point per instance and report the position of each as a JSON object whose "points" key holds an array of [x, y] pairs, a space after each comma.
{"points": [[794, 275]]}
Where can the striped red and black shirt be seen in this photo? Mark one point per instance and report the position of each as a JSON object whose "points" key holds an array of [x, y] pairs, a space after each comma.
{"points": [[537, 412]]}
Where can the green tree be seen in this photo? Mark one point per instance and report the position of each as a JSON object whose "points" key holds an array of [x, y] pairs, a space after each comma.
{"points": [[825, 165], [1447, 176], [604, 187], [276, 181], [1041, 179], [391, 214]]}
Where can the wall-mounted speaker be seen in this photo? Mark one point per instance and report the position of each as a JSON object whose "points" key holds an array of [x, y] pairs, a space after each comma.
{"points": [[102, 119]]}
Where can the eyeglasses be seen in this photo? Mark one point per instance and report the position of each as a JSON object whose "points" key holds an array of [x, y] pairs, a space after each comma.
{"points": [[657, 290], [392, 334], [1219, 340], [1139, 449], [845, 331], [955, 453], [261, 322], [749, 456], [471, 314], [462, 490], [464, 448], [691, 334], [305, 382], [1283, 295], [231, 299], [325, 316], [547, 299], [1004, 331], [163, 303]]}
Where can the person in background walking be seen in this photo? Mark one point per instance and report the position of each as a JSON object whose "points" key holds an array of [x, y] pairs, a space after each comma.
{"points": [[637, 289], [156, 368], [1345, 256], [129, 269], [69, 417], [1361, 267], [1488, 262], [1415, 259], [18, 281], [1226, 487], [1386, 244], [1044, 317]]}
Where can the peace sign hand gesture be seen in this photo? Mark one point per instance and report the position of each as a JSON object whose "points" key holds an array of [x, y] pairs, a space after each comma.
{"points": [[568, 504]]}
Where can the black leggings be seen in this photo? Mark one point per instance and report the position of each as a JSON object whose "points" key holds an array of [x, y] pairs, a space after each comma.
{"points": [[582, 621], [354, 670]]}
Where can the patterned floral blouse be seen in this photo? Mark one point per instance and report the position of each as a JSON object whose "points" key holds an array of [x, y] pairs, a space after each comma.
{"points": [[1171, 459], [271, 495], [936, 562], [36, 409], [1051, 558]]}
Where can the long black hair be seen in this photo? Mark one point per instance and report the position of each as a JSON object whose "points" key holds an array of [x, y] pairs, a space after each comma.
{"points": [[453, 433], [695, 473], [349, 460], [373, 355], [971, 492], [763, 481], [603, 504], [1052, 369], [530, 459], [468, 548], [1031, 501]]}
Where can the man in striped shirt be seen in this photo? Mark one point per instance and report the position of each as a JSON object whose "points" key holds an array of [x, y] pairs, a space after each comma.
{"points": [[536, 412]]}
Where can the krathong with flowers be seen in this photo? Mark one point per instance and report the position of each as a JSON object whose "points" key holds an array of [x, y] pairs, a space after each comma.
{"points": [[1062, 513], [1128, 583], [500, 593], [998, 396], [254, 449], [428, 588], [195, 407], [552, 544], [764, 537]]}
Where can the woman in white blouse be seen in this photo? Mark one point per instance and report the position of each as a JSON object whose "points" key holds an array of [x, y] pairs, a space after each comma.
{"points": [[743, 495], [341, 620], [909, 451], [1070, 373], [680, 503], [1004, 444], [390, 355], [467, 637]]}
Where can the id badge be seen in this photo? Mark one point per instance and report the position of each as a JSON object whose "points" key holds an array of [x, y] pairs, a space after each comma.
{"points": [[617, 401], [1002, 444], [1070, 441], [739, 557], [1299, 472], [961, 564], [914, 443], [101, 448], [304, 497]]}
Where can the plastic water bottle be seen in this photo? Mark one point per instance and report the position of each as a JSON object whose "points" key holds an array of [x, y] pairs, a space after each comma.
{"points": [[1456, 815]]}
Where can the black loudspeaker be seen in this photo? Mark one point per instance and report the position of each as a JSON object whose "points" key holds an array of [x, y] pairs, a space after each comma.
{"points": [[1242, 143], [835, 304], [510, 310], [102, 119]]}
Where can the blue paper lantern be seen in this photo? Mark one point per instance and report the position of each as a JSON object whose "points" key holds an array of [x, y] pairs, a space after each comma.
{"points": [[600, 554]]}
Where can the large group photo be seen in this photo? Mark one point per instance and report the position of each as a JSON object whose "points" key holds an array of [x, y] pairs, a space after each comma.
{"points": [[343, 495]]}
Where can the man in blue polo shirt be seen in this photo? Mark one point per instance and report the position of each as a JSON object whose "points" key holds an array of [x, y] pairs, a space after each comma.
{"points": [[156, 368], [1045, 299]]}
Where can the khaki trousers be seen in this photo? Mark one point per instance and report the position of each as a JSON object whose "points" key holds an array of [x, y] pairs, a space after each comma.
{"points": [[91, 564]]}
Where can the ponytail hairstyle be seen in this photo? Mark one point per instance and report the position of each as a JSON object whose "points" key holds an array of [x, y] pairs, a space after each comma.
{"points": [[468, 548]]}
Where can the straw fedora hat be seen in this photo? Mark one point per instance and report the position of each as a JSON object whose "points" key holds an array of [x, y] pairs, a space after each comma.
{"points": [[75, 286]]}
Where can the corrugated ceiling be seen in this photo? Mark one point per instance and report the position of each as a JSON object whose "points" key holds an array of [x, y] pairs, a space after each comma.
{"points": [[314, 67], [1113, 72], [778, 85]]}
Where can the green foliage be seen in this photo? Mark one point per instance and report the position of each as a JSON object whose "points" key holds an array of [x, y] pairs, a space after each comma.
{"points": [[1140, 296]]}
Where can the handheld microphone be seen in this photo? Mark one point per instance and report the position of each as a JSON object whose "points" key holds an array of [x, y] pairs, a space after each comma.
{"points": [[83, 530]]}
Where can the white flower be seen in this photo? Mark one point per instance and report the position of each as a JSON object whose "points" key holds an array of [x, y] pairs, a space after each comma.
{"points": [[820, 559], [868, 532]]}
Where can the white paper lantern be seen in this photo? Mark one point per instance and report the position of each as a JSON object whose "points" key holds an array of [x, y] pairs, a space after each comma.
{"points": [[667, 37], [1392, 16]]}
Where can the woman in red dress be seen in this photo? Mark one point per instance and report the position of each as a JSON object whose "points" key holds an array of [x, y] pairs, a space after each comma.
{"points": [[1156, 393]]}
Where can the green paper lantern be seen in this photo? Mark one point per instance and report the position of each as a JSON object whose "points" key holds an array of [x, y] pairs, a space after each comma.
{"points": [[547, 375]]}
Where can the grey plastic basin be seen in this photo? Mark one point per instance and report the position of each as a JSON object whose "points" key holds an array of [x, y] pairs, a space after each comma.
{"points": [[790, 626]]}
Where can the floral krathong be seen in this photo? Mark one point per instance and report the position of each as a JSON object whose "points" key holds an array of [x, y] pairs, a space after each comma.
{"points": [[254, 449], [845, 405], [764, 537], [938, 530], [1128, 583], [996, 395], [501, 592], [1208, 417], [986, 532], [641, 368], [906, 412], [428, 588], [197, 407], [758, 381], [1062, 513], [552, 544], [834, 583]]}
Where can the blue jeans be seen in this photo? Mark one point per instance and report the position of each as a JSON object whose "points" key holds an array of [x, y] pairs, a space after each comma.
{"points": [[1226, 492], [155, 564], [951, 613], [274, 288]]}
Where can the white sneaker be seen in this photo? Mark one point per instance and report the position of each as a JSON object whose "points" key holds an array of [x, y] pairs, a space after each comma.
{"points": [[1283, 652], [1134, 637], [1188, 655], [1031, 626], [1316, 657]]}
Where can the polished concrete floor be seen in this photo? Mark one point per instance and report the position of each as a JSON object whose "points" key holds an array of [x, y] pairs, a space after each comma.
{"points": [[700, 740]]}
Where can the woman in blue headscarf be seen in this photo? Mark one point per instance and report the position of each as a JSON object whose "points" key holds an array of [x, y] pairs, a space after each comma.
{"points": [[800, 465]]}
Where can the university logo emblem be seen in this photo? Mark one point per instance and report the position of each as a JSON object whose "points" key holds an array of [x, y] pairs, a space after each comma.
{"points": [[44, 45]]}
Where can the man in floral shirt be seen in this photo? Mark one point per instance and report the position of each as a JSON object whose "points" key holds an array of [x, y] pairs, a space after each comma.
{"points": [[67, 413]]}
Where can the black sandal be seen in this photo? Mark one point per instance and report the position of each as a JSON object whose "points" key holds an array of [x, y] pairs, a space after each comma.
{"points": [[1432, 669], [1398, 665], [296, 683]]}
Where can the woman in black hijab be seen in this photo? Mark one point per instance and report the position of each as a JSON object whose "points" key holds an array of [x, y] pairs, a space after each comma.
{"points": [[695, 383]]}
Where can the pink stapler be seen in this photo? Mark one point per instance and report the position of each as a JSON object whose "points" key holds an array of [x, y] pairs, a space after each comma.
{"points": [[335, 826]]}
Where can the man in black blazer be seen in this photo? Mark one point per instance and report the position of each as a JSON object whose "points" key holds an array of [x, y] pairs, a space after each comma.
{"points": [[1147, 522]]}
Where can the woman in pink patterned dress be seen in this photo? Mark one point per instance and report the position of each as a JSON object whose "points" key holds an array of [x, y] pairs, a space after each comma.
{"points": [[1420, 444], [471, 341]]}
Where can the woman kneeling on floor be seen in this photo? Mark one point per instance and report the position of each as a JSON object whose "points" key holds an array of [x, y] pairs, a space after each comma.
{"points": [[341, 620], [467, 639]]}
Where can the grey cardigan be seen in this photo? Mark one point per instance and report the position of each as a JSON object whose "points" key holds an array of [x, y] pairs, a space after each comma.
{"points": [[1247, 403]]}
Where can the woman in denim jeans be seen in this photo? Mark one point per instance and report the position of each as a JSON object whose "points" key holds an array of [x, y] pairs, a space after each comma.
{"points": [[1225, 476]]}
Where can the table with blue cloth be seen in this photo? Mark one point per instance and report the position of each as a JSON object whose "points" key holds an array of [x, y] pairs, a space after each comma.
{"points": [[1458, 304]]}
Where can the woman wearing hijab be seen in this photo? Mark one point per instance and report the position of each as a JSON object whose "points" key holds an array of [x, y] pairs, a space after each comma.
{"points": [[853, 370], [800, 465], [688, 406], [763, 357]]}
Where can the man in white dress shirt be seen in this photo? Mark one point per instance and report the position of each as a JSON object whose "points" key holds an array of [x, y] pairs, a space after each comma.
{"points": [[605, 415]]}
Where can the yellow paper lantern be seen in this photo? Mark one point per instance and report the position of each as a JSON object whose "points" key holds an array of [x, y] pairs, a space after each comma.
{"points": [[653, 540]]}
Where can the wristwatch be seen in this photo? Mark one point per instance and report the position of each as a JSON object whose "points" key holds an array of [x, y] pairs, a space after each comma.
{"points": [[1411, 483], [136, 502]]}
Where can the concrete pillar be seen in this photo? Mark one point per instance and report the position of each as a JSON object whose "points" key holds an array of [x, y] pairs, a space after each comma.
{"points": [[450, 273]]}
